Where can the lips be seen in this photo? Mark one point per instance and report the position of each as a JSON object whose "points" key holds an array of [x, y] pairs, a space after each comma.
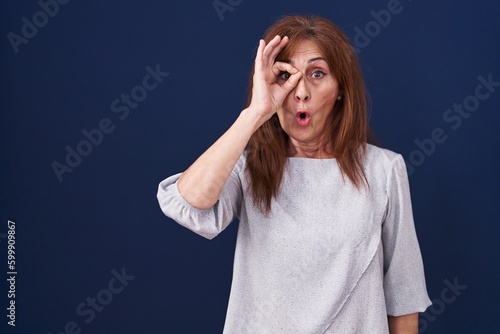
{"points": [[303, 117]]}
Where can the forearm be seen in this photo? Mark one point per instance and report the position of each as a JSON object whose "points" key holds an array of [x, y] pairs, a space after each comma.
{"points": [[202, 182], [405, 324]]}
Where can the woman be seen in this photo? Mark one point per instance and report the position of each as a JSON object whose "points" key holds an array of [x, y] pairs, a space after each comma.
{"points": [[326, 240]]}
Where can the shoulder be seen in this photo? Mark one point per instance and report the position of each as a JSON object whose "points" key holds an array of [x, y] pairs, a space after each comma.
{"points": [[383, 160], [378, 155]]}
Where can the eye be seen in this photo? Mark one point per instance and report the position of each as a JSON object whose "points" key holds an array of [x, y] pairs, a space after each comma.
{"points": [[284, 75], [318, 74]]}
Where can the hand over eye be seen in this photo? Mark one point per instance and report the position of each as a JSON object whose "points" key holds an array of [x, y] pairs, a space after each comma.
{"points": [[272, 80], [284, 75]]}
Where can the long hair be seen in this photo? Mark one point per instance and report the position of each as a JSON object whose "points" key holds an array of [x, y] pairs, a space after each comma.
{"points": [[347, 125]]}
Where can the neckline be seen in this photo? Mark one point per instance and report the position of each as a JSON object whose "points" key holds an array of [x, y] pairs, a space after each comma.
{"points": [[309, 159]]}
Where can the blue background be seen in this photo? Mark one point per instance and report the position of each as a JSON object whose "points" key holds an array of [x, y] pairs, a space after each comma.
{"points": [[104, 216]]}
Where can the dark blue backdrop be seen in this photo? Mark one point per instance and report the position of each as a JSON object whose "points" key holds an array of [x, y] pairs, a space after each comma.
{"points": [[103, 99]]}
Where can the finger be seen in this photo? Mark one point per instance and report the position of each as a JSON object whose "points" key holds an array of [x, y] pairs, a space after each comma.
{"points": [[260, 51], [279, 67], [258, 56], [260, 48], [284, 41], [292, 82], [270, 47]]}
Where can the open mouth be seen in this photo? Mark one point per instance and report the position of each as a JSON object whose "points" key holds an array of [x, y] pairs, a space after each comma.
{"points": [[303, 117]]}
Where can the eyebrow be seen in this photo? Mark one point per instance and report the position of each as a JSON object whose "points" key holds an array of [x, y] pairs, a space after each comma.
{"points": [[309, 61], [314, 59]]}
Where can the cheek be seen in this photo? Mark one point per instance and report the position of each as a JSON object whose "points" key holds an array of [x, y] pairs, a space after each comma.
{"points": [[289, 101], [327, 96], [281, 117], [287, 110]]}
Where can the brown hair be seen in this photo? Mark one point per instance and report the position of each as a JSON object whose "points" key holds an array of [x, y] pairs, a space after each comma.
{"points": [[347, 125]]}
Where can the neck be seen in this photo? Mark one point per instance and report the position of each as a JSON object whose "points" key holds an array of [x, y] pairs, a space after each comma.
{"points": [[312, 151]]}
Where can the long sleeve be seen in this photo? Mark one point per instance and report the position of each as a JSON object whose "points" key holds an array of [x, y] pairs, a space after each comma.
{"points": [[404, 279], [210, 222]]}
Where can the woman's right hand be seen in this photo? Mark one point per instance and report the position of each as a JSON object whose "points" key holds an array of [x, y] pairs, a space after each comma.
{"points": [[267, 94]]}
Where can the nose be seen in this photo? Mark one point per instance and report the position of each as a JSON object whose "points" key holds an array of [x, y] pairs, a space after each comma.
{"points": [[302, 91]]}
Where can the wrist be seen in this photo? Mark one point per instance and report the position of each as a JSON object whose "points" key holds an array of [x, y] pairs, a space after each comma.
{"points": [[253, 118]]}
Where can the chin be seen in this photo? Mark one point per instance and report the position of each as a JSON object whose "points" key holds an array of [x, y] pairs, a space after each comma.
{"points": [[303, 135]]}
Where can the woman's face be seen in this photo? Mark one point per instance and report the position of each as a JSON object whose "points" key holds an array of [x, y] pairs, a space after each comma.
{"points": [[305, 110]]}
